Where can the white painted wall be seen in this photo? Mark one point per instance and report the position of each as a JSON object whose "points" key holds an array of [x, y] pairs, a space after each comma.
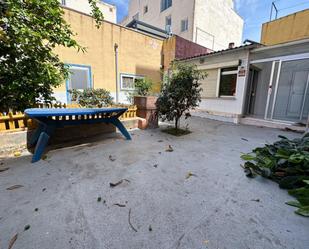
{"points": [[223, 108], [109, 11], [216, 20], [216, 24]]}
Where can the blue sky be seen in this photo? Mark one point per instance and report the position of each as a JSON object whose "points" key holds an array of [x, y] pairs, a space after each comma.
{"points": [[254, 12]]}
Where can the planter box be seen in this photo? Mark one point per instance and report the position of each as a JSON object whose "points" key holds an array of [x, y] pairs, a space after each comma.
{"points": [[146, 108]]}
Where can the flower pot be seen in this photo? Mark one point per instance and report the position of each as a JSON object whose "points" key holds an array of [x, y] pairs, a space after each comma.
{"points": [[146, 108]]}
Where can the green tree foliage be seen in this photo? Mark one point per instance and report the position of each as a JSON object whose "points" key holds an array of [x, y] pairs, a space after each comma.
{"points": [[29, 32], [180, 94]]}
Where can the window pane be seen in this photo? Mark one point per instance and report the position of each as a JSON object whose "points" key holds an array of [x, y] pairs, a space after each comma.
{"points": [[145, 9], [168, 21], [184, 25], [79, 78], [127, 82], [228, 85], [166, 4]]}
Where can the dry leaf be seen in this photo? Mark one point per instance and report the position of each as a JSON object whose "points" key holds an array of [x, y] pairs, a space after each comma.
{"points": [[169, 149], [12, 241], [190, 174], [14, 187], [111, 158], [112, 185], [5, 169], [119, 205], [17, 153]]}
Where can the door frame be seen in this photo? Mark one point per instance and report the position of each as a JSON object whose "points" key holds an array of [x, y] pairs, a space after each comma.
{"points": [[280, 60]]}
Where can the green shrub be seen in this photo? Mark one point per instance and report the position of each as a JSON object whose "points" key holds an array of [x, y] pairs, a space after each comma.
{"points": [[143, 86], [92, 97]]}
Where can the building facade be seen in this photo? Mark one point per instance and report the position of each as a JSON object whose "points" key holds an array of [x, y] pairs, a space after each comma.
{"points": [[115, 56], [256, 84], [109, 11], [292, 28], [223, 94], [211, 23]]}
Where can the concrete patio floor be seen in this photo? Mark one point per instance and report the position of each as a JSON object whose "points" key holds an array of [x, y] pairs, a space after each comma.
{"points": [[215, 209]]}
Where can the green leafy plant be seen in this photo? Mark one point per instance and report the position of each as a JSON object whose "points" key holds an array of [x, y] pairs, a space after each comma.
{"points": [[29, 32], [287, 163], [180, 94], [91, 98], [142, 87], [302, 196]]}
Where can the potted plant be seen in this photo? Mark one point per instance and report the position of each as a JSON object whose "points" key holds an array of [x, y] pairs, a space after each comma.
{"points": [[146, 103]]}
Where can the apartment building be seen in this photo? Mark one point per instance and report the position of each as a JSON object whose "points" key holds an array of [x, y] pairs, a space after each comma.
{"points": [[211, 23], [109, 11]]}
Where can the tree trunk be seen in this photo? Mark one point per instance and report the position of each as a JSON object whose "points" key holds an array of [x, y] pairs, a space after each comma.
{"points": [[177, 123]]}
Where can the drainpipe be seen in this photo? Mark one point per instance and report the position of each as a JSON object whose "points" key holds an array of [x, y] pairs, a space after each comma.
{"points": [[116, 70]]}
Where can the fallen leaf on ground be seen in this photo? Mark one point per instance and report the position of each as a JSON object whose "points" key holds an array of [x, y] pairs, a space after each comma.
{"points": [[12, 241], [99, 199], [36, 210], [206, 241], [169, 149], [27, 227], [150, 228], [256, 200], [111, 158], [5, 169], [17, 153], [119, 205], [155, 166], [245, 139], [190, 174], [160, 141], [43, 190], [44, 157], [112, 185], [14, 187]]}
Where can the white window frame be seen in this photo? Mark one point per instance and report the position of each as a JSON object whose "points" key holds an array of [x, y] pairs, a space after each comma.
{"points": [[220, 73], [87, 69], [133, 76]]}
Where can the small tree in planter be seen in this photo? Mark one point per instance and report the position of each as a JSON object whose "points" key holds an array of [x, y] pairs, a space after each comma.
{"points": [[179, 95], [92, 98]]}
